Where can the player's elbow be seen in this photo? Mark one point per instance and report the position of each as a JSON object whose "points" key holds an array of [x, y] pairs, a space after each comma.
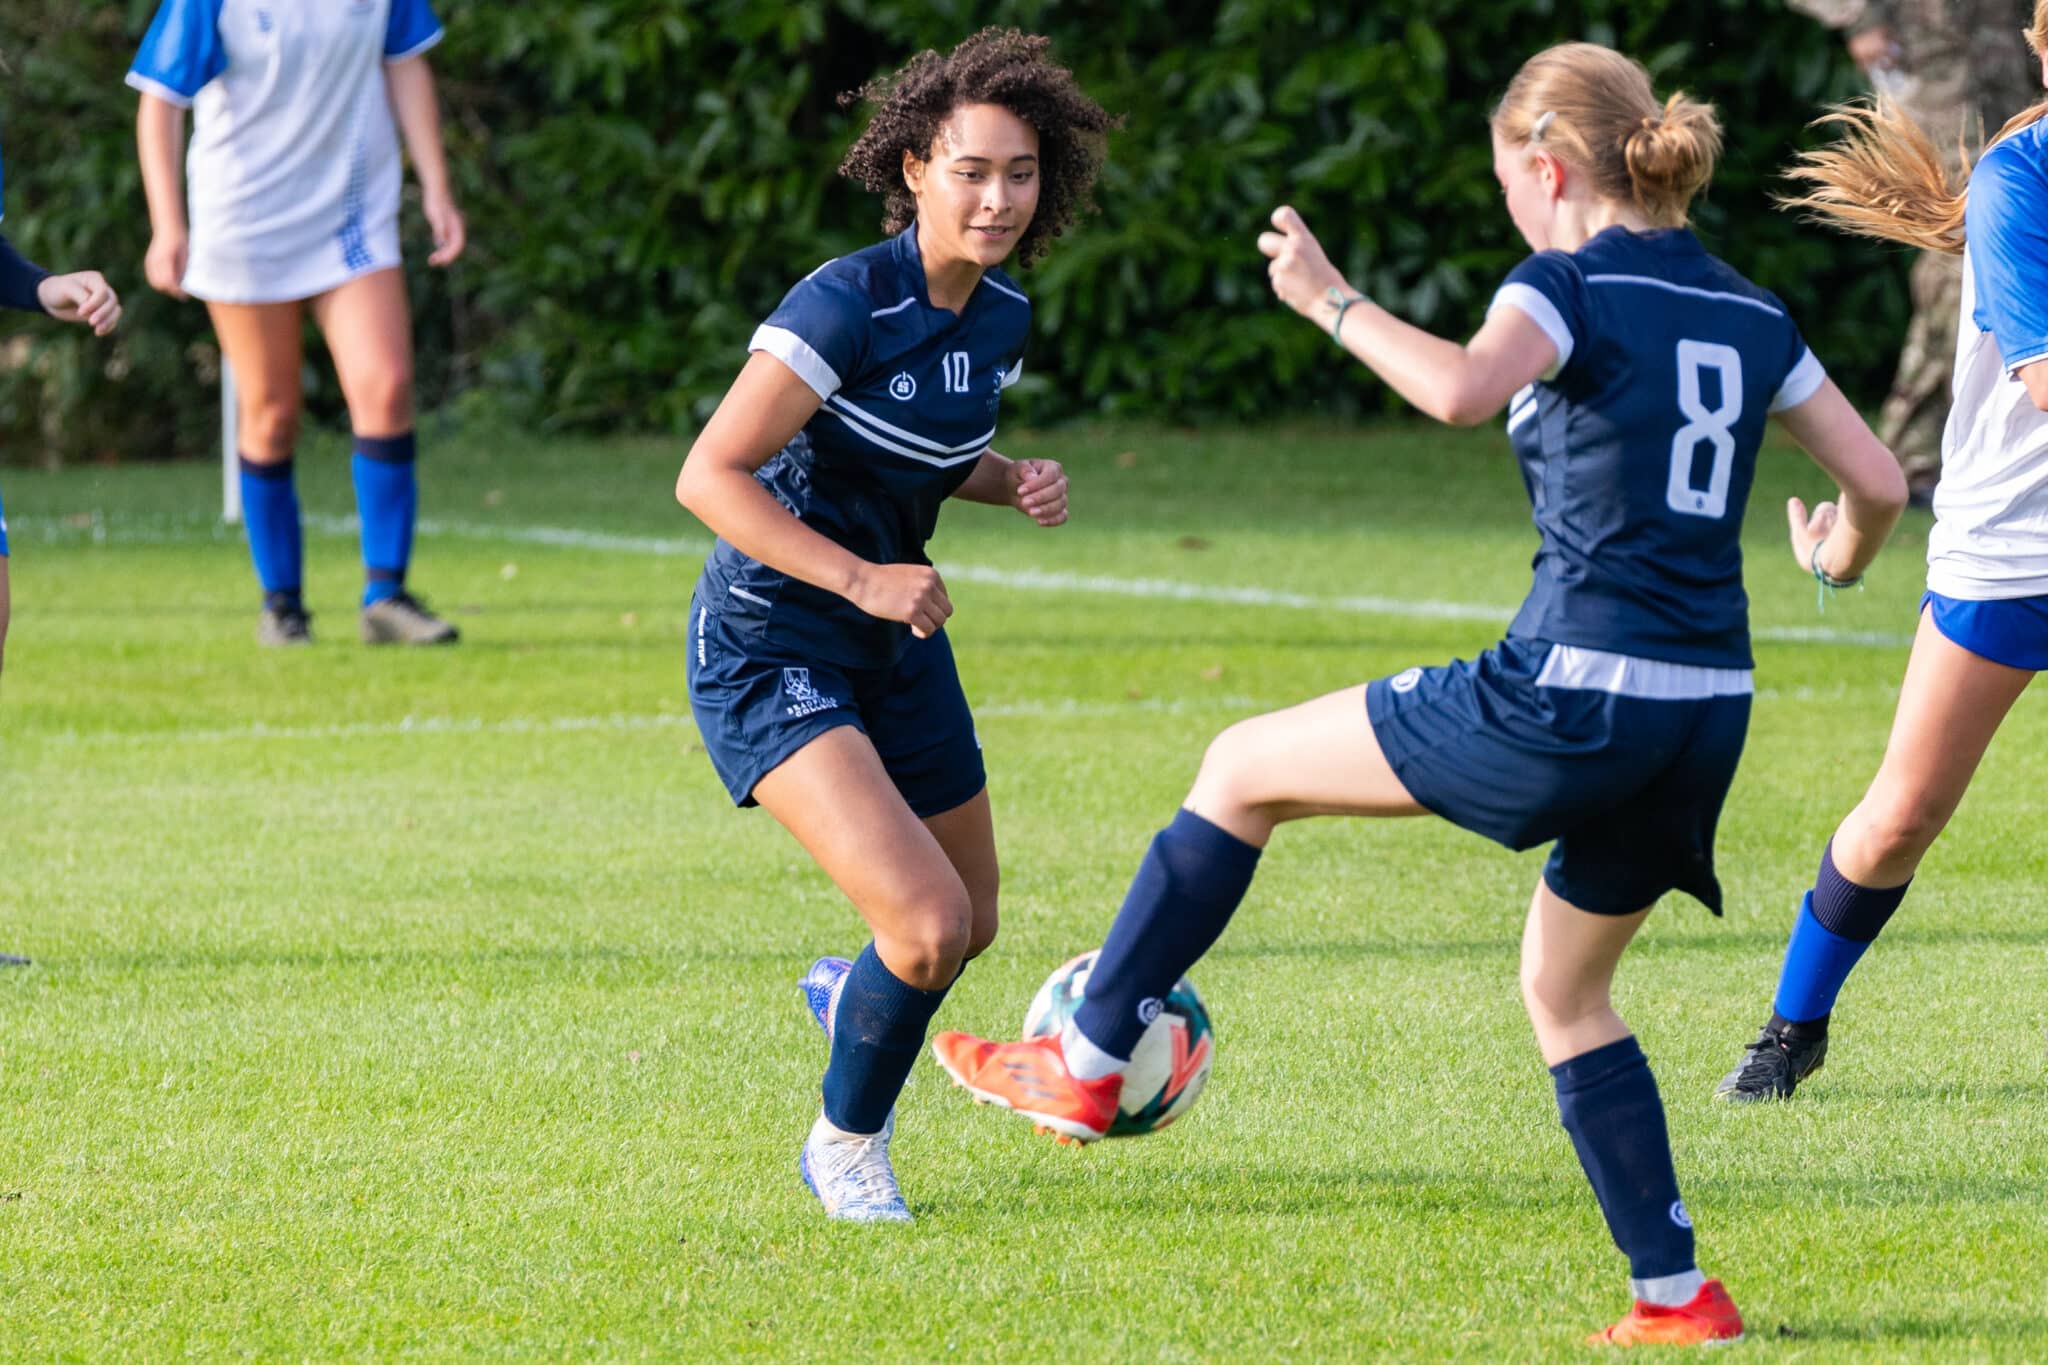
{"points": [[1460, 405]]}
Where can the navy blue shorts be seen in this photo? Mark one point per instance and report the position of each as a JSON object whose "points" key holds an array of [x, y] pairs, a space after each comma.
{"points": [[2012, 631], [1629, 786], [755, 707]]}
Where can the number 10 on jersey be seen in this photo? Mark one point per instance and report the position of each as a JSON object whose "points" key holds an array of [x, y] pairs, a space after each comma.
{"points": [[1713, 425], [956, 367]]}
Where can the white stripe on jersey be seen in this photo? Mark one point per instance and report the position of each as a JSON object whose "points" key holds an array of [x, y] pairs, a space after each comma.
{"points": [[1803, 383], [1623, 675], [1529, 301], [862, 415], [1685, 289], [938, 461], [793, 351], [1004, 289], [893, 308], [1014, 373]]}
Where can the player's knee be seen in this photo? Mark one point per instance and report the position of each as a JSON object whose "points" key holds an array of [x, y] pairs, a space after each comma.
{"points": [[981, 936], [1228, 767], [1555, 996], [381, 401], [935, 938], [1902, 826], [270, 429]]}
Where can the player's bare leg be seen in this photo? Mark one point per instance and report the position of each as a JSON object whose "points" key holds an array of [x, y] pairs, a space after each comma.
{"points": [[1950, 705], [264, 343], [1608, 1101], [1318, 758], [838, 801]]}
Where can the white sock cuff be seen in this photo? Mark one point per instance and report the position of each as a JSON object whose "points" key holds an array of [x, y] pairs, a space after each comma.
{"points": [[1087, 1061], [1669, 1291]]}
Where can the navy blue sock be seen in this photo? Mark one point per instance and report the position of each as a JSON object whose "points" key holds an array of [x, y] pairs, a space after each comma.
{"points": [[270, 512], [1186, 890], [1837, 921], [876, 1035], [387, 504], [1608, 1101]]}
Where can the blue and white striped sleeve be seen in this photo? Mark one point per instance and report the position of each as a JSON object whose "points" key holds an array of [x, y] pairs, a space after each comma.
{"points": [[181, 52], [411, 30], [820, 331], [2006, 226], [1548, 290]]}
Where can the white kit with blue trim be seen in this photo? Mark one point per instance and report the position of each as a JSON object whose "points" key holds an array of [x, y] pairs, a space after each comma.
{"points": [[293, 169]]}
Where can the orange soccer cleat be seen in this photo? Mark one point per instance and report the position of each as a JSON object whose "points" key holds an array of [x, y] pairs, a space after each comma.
{"points": [[1710, 1319], [1031, 1077]]}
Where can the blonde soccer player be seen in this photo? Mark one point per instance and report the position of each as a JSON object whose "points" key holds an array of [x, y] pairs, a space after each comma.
{"points": [[1983, 630], [1638, 373]]}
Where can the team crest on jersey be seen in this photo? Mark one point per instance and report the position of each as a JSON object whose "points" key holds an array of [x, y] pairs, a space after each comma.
{"points": [[903, 388], [1406, 679], [804, 699]]}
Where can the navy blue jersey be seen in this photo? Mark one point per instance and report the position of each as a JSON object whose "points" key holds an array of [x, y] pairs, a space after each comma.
{"points": [[909, 394], [1639, 448]]}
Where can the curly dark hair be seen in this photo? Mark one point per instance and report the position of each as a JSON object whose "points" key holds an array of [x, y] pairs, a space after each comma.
{"points": [[1000, 66]]}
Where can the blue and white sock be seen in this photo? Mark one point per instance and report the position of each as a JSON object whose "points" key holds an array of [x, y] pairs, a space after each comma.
{"points": [[270, 513], [1608, 1102], [1187, 888], [1838, 921], [387, 504], [878, 1028]]}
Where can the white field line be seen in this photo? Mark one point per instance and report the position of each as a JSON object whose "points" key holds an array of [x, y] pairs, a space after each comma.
{"points": [[260, 733], [1103, 585]]}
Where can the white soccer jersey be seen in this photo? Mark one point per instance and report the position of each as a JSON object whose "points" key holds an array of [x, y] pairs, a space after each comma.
{"points": [[293, 170], [1990, 538]]}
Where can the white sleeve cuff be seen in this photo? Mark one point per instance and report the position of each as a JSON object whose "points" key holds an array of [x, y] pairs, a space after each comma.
{"points": [[2020, 362], [163, 92], [1531, 304], [793, 351], [1803, 383], [392, 58]]}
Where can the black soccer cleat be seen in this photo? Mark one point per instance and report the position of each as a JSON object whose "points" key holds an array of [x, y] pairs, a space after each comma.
{"points": [[1772, 1067], [285, 622]]}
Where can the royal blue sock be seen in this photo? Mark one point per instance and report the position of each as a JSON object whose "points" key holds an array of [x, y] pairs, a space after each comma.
{"points": [[387, 504], [1186, 890], [1608, 1101], [270, 512], [876, 1035], [1838, 920]]}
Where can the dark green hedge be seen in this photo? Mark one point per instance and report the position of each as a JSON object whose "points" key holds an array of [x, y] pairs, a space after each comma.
{"points": [[643, 178]]}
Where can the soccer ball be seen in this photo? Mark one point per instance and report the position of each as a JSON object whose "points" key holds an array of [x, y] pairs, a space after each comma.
{"points": [[1171, 1063]]}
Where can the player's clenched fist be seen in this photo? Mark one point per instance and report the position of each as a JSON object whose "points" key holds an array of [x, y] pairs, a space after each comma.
{"points": [[1038, 489], [910, 593]]}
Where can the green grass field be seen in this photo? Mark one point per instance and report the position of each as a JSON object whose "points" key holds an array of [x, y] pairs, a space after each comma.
{"points": [[439, 1004]]}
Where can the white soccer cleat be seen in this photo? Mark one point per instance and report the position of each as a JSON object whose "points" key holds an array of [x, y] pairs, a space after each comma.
{"points": [[851, 1174]]}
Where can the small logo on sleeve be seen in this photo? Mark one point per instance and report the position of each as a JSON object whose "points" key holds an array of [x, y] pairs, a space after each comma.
{"points": [[1405, 680], [903, 388], [804, 699]]}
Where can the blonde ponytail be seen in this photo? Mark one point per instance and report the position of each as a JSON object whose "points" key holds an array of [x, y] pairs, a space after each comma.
{"points": [[1885, 179], [1593, 108]]}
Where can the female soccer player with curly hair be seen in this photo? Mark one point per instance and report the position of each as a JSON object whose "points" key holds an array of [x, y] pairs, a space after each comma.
{"points": [[292, 182], [820, 674], [1638, 373], [1983, 630]]}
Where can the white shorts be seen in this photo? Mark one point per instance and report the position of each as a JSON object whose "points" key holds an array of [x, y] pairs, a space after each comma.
{"points": [[240, 274]]}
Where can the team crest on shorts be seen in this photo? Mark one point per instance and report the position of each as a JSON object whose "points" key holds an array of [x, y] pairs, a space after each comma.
{"points": [[1405, 680], [903, 388], [804, 699]]}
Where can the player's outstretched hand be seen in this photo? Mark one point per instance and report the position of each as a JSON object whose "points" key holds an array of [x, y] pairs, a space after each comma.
{"points": [[1301, 274], [1038, 489], [910, 593], [1809, 530], [82, 296], [451, 234]]}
